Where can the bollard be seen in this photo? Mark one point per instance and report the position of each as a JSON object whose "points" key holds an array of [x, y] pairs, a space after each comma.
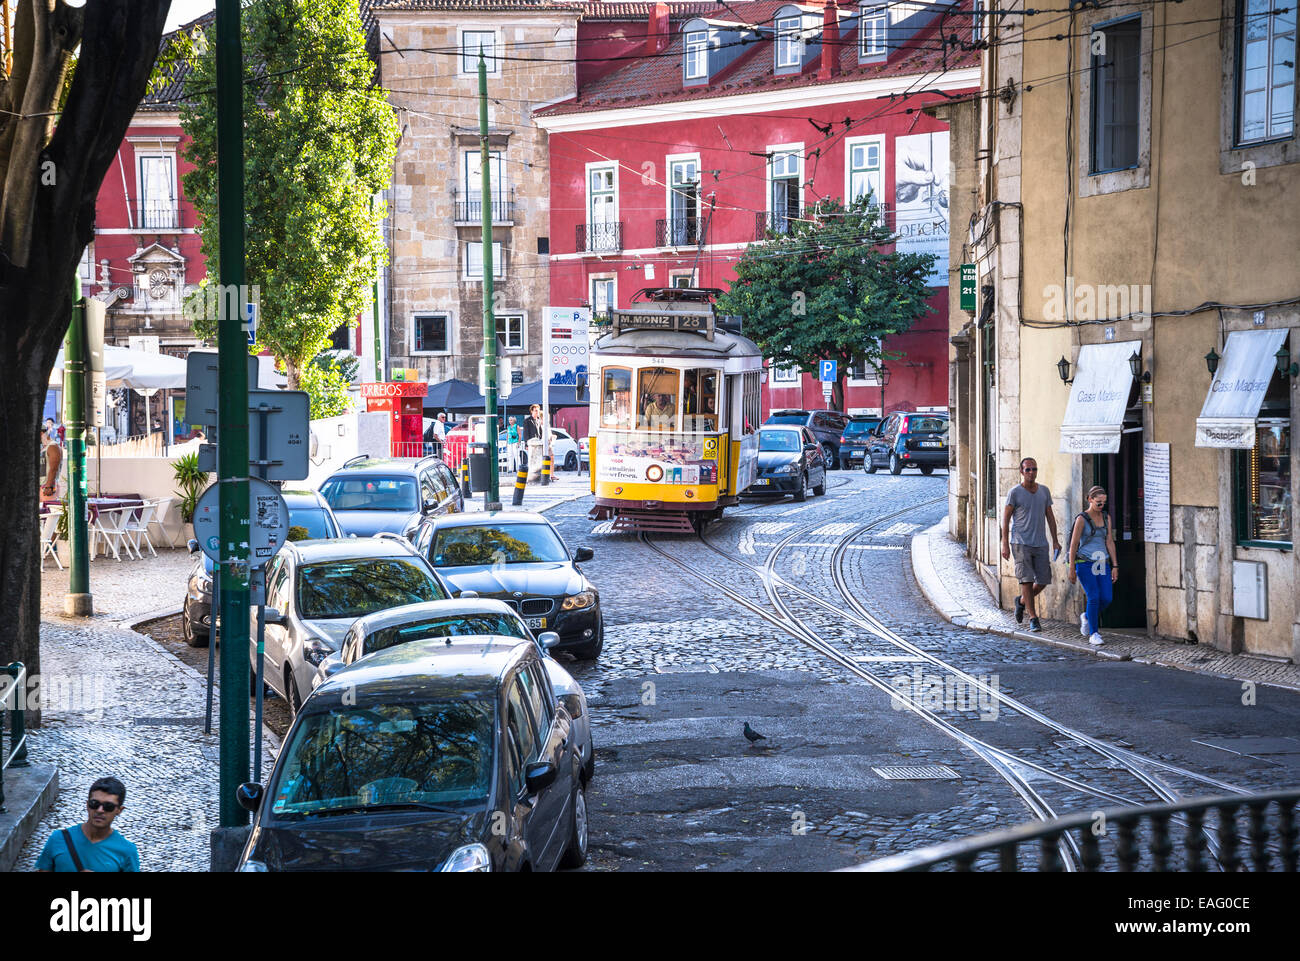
{"points": [[546, 470], [521, 480], [464, 478]]}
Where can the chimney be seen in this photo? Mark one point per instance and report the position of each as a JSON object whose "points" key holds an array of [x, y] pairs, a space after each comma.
{"points": [[656, 40], [830, 66]]}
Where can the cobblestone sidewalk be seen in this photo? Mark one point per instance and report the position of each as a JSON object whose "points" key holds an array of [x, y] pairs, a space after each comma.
{"points": [[117, 703], [955, 590]]}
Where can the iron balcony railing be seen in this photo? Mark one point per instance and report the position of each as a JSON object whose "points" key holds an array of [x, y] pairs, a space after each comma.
{"points": [[680, 232], [773, 222], [13, 704], [469, 208], [603, 238], [156, 214], [1207, 834]]}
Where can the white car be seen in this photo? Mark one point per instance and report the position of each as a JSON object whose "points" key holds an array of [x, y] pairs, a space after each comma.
{"points": [[564, 451]]}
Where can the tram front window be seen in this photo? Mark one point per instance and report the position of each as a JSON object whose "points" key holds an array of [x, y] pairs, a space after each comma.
{"points": [[700, 400], [616, 402], [658, 390]]}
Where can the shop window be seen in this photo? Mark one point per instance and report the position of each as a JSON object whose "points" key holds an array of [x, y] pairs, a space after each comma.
{"points": [[657, 392], [1263, 473], [616, 398]]}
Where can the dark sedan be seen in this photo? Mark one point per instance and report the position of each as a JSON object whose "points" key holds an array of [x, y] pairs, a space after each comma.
{"points": [[521, 559], [425, 757], [789, 461]]}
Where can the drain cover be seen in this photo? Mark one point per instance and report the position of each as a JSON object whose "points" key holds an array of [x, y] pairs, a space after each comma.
{"points": [[686, 667], [918, 772]]}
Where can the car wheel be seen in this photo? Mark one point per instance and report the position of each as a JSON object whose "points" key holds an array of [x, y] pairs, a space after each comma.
{"points": [[589, 766], [192, 637], [291, 692], [575, 855], [927, 469], [844, 462], [830, 455], [571, 460], [869, 463], [895, 465], [820, 489], [801, 494]]}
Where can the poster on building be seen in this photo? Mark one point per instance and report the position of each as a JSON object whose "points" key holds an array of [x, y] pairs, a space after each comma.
{"points": [[921, 199], [565, 347], [1155, 493]]}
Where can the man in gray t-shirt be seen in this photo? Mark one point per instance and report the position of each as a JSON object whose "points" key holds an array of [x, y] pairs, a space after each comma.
{"points": [[1025, 522]]}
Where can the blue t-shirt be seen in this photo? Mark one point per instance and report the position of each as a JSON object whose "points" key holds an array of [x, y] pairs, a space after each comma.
{"points": [[114, 853]]}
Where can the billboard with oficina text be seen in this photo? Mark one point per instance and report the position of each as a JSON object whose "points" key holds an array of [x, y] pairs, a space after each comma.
{"points": [[921, 199], [565, 347]]}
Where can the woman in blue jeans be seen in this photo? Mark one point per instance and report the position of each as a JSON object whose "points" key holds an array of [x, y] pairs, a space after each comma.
{"points": [[1092, 545]]}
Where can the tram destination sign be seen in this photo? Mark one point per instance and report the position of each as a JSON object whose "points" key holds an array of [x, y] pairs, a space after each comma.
{"points": [[696, 321]]}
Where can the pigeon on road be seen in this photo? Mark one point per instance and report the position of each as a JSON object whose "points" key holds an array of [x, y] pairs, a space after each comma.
{"points": [[753, 736]]}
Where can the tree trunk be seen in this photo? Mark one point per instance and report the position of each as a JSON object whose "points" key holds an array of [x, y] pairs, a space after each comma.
{"points": [[48, 187], [292, 373]]}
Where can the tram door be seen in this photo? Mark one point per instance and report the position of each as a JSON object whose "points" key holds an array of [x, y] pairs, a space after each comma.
{"points": [[1121, 475]]}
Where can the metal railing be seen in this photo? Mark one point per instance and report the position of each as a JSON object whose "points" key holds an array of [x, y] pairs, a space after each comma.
{"points": [[599, 238], [157, 214], [680, 232], [774, 222], [469, 210], [1198, 835], [13, 704]]}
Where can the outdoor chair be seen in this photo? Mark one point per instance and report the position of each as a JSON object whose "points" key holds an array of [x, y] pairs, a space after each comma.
{"points": [[108, 525], [159, 520], [49, 538], [135, 525]]}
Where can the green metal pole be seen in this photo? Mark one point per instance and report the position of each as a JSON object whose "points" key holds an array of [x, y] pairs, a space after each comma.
{"points": [[493, 494], [232, 417], [78, 601], [374, 306]]}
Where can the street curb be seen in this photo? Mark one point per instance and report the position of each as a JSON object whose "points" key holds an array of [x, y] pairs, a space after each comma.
{"points": [[29, 794]]}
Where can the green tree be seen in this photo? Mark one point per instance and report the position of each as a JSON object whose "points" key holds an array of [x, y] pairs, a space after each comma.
{"points": [[831, 289], [319, 143], [327, 379]]}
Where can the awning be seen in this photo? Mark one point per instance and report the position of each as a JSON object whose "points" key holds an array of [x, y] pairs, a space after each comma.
{"points": [[1238, 388], [139, 369], [1103, 381]]}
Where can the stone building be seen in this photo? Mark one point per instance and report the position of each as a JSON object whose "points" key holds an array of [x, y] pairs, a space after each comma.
{"points": [[1130, 188]]}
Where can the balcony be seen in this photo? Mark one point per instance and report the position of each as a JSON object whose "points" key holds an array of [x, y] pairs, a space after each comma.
{"points": [[469, 209], [156, 214], [599, 238], [774, 223], [680, 232]]}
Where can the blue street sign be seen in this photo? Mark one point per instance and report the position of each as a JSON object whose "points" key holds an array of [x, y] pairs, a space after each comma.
{"points": [[826, 371]]}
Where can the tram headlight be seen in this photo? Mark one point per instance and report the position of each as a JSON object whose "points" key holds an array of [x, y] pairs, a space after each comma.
{"points": [[577, 602]]}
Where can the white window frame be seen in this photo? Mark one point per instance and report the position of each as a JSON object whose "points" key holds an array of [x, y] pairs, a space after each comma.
{"points": [[498, 261], [873, 31], [785, 148], [785, 376], [676, 275], [447, 318], [977, 21], [612, 280], [672, 161], [857, 380], [789, 49], [143, 153], [587, 191], [866, 143], [491, 59], [1284, 92], [86, 266], [696, 59], [522, 317]]}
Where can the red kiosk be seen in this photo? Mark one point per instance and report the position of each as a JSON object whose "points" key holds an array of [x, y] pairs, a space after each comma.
{"points": [[404, 402]]}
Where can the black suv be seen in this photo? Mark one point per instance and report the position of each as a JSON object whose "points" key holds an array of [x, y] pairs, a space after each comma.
{"points": [[826, 425], [909, 440], [855, 440], [390, 495]]}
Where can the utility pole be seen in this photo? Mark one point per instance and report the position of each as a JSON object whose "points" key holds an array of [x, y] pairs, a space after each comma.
{"points": [[78, 601], [232, 416], [374, 307], [493, 495]]}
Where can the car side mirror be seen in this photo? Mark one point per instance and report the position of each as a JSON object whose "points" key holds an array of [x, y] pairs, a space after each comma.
{"points": [[272, 615], [429, 505], [468, 594], [193, 545], [539, 775], [548, 639], [249, 796], [583, 554]]}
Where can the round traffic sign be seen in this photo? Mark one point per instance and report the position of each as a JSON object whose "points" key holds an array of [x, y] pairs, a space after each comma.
{"points": [[268, 522]]}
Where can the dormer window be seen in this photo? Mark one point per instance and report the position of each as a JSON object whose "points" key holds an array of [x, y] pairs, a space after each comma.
{"points": [[872, 42], [789, 44], [697, 55]]}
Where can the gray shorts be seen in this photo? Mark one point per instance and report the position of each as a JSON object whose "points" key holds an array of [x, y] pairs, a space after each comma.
{"points": [[1032, 564]]}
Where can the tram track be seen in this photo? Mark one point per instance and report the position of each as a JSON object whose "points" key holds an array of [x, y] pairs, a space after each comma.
{"points": [[1017, 771]]}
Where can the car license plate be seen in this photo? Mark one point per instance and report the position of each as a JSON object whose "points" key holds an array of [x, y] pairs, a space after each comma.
{"points": [[856, 454], [931, 443], [762, 482], [535, 623]]}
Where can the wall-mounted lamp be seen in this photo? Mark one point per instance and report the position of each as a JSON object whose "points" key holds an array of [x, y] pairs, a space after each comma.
{"points": [[1212, 361], [1135, 365], [1063, 368], [1284, 365]]}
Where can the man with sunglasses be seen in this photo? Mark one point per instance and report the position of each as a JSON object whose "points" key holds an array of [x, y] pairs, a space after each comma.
{"points": [[1025, 521], [93, 845]]}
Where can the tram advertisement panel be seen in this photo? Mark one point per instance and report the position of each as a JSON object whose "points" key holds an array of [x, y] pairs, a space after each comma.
{"points": [[747, 468], [655, 458]]}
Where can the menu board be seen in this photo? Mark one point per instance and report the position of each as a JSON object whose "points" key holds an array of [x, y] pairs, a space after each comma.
{"points": [[1155, 493]]}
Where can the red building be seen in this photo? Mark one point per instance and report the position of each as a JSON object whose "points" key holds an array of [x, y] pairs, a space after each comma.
{"points": [[705, 126]]}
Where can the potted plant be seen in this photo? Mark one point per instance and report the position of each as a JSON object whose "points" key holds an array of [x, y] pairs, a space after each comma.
{"points": [[191, 482]]}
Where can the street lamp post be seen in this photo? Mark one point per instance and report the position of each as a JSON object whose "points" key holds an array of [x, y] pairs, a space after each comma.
{"points": [[883, 373]]}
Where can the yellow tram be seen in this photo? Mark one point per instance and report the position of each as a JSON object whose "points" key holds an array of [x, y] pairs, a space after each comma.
{"points": [[674, 412]]}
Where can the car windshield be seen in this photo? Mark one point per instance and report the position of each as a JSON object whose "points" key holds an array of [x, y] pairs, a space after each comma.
{"points": [[860, 426], [787, 440], [429, 753], [370, 493], [915, 424], [497, 544], [460, 625], [313, 520], [354, 588], [787, 418]]}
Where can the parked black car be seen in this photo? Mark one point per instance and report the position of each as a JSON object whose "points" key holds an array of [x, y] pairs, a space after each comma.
{"points": [[307, 509], [854, 441], [390, 495], [909, 440], [826, 425], [521, 559], [426, 756], [789, 461]]}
